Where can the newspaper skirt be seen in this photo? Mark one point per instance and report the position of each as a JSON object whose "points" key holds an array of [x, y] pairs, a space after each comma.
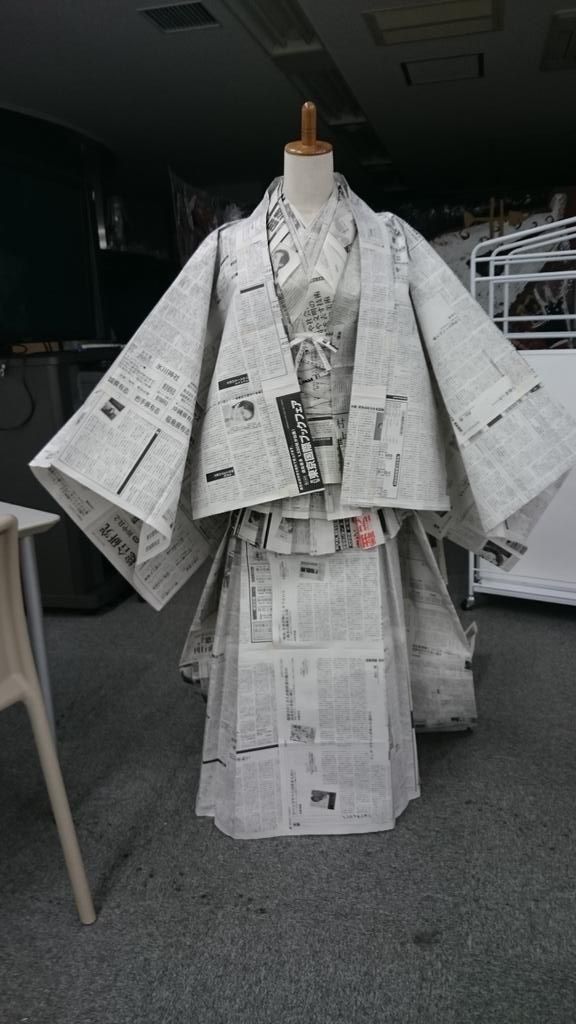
{"points": [[311, 666]]}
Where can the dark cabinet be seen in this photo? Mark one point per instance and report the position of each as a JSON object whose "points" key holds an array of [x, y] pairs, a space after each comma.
{"points": [[65, 291], [37, 395]]}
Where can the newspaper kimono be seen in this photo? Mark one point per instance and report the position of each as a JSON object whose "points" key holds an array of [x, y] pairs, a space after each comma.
{"points": [[316, 407]]}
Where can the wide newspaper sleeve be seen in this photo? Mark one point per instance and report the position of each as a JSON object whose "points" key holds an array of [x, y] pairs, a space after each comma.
{"points": [[509, 444], [120, 467]]}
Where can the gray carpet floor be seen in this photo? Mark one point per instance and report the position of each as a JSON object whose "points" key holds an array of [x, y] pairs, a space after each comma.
{"points": [[465, 913]]}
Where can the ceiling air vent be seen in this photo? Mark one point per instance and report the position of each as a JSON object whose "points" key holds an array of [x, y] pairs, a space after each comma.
{"points": [[392, 25], [444, 69], [560, 50], [180, 17], [280, 26]]}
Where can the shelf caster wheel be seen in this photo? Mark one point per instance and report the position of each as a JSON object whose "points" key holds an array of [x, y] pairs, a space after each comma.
{"points": [[468, 603]]}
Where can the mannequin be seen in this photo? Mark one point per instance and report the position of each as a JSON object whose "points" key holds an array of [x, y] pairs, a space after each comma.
{"points": [[352, 397], [308, 169]]}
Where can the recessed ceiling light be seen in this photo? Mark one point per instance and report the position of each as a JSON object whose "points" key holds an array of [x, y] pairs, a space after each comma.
{"points": [[392, 25], [280, 26], [444, 69]]}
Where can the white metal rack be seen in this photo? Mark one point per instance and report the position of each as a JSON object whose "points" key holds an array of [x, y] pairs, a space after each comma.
{"points": [[500, 270]]}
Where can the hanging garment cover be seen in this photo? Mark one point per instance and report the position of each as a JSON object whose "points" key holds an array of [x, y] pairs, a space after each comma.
{"points": [[338, 390]]}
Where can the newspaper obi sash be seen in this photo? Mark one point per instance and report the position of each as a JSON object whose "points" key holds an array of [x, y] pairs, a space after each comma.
{"points": [[266, 527]]}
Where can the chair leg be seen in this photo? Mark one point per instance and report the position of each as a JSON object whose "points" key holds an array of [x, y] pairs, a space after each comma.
{"points": [[61, 808]]}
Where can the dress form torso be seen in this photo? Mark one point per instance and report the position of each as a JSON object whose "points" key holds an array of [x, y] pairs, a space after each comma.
{"points": [[308, 182]]}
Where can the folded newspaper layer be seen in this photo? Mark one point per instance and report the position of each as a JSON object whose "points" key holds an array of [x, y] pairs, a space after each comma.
{"points": [[432, 409], [317, 670]]}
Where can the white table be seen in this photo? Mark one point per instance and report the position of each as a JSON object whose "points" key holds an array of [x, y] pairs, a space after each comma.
{"points": [[30, 522]]}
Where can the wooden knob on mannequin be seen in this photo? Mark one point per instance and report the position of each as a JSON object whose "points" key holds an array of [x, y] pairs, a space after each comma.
{"points": [[308, 130], [308, 144]]}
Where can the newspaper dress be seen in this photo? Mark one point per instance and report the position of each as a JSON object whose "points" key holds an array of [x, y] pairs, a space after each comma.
{"points": [[307, 406], [310, 725]]}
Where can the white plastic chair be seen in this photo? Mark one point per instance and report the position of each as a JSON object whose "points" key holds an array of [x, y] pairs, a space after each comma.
{"points": [[18, 681]]}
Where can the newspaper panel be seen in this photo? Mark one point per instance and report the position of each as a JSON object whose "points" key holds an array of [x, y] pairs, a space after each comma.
{"points": [[121, 466], [309, 728], [508, 445], [310, 725], [394, 443], [303, 741], [255, 443]]}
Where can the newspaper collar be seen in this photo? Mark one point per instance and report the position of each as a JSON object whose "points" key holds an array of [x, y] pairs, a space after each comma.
{"points": [[308, 239]]}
